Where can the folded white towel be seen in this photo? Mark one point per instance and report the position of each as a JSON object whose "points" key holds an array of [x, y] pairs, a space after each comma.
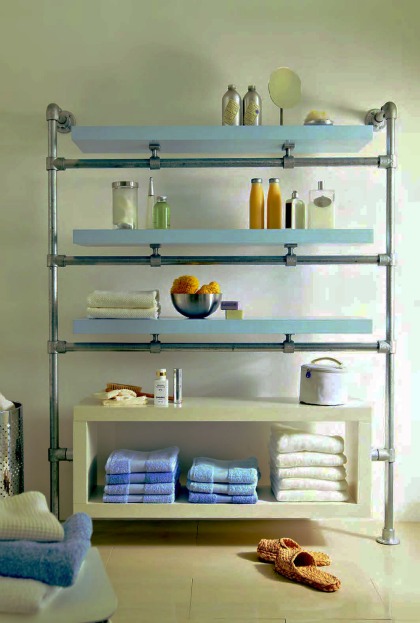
{"points": [[323, 473], [297, 442], [283, 484], [5, 404], [310, 496], [143, 299], [25, 596], [307, 459], [27, 516], [117, 312]]}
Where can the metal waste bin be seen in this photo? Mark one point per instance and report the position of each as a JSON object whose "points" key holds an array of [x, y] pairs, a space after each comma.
{"points": [[11, 451]]}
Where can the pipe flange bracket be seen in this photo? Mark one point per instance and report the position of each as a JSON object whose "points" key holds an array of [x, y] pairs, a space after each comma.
{"points": [[58, 347], [288, 344], [66, 121], [375, 117], [290, 257], [154, 161], [155, 345], [155, 258], [387, 162]]}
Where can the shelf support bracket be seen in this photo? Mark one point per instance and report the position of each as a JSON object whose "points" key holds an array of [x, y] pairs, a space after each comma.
{"points": [[288, 344], [65, 119], [56, 260], [288, 159], [387, 162], [60, 454], [154, 161], [58, 347], [155, 345], [290, 257], [383, 454], [155, 257]]}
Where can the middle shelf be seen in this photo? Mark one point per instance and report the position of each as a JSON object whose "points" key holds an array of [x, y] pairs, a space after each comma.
{"points": [[261, 326]]}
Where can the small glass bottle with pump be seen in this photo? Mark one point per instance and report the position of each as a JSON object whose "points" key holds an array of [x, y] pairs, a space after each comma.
{"points": [[161, 214], [295, 213], [161, 388], [256, 204], [252, 107], [150, 204], [231, 107], [321, 208], [125, 205], [274, 204]]}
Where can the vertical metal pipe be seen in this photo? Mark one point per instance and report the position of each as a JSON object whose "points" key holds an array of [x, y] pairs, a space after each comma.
{"points": [[52, 118], [388, 532]]}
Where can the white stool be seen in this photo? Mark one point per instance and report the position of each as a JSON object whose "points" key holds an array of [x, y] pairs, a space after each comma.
{"points": [[91, 599]]}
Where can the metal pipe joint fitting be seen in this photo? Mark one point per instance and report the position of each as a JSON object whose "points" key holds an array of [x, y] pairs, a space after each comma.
{"points": [[155, 258], [155, 345], [154, 161], [383, 454]]}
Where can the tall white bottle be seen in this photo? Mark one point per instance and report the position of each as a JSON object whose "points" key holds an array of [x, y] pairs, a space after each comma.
{"points": [[150, 204], [161, 388]]}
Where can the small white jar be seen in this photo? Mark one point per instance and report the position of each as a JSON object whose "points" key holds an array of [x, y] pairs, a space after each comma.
{"points": [[125, 205], [322, 384]]}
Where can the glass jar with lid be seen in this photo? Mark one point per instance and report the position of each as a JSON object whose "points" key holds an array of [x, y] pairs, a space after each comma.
{"points": [[125, 205]]}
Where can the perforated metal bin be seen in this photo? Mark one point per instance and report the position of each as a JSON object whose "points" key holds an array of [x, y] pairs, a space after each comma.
{"points": [[11, 451]]}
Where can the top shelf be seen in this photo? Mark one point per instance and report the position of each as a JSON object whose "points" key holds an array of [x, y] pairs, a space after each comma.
{"points": [[221, 139]]}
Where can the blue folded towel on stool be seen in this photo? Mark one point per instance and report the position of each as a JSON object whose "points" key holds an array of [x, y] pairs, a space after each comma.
{"points": [[214, 498], [129, 461], [138, 478], [243, 472], [54, 563], [218, 487]]}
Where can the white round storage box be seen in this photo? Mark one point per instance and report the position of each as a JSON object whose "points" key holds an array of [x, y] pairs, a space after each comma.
{"points": [[323, 384]]}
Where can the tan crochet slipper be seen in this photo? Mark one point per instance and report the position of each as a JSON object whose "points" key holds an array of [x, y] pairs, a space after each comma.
{"points": [[268, 549], [299, 566]]}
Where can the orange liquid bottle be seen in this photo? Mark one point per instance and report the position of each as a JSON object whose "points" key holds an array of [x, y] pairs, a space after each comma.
{"points": [[256, 204], [274, 204]]}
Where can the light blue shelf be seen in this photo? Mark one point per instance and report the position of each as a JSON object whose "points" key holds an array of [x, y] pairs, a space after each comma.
{"points": [[221, 139], [261, 326], [238, 237]]}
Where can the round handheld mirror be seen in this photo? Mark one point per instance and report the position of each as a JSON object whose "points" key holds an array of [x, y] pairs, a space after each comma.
{"points": [[285, 89]]}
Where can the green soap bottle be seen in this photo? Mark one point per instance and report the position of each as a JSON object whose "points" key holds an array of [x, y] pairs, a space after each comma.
{"points": [[161, 214]]}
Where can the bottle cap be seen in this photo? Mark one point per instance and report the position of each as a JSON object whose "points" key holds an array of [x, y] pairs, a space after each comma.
{"points": [[161, 198], [256, 180], [125, 184], [161, 372], [231, 87], [294, 194], [274, 180], [251, 87], [320, 185]]}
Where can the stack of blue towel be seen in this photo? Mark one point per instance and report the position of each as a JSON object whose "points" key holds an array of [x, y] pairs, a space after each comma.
{"points": [[134, 477], [211, 481]]}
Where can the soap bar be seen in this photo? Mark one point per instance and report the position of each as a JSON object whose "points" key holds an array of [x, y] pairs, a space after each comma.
{"points": [[229, 305], [234, 314]]}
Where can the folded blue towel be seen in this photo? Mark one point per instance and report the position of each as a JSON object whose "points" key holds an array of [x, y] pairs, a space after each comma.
{"points": [[159, 488], [241, 472], [138, 478], [54, 563], [217, 487], [129, 461], [214, 498], [140, 499]]}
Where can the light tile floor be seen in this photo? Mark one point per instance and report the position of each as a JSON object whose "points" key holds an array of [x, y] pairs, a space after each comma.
{"points": [[207, 571]]}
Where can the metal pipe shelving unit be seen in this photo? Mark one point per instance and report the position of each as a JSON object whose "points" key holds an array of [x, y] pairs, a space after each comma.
{"points": [[61, 121]]}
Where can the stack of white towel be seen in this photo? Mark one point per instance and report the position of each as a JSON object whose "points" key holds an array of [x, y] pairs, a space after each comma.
{"points": [[307, 467], [135, 304]]}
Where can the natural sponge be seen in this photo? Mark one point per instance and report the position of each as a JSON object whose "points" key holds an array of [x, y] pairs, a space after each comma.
{"points": [[186, 284]]}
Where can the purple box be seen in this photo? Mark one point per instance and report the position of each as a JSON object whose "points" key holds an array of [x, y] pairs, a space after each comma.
{"points": [[229, 305]]}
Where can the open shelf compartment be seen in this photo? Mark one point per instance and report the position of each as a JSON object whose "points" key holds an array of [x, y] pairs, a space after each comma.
{"points": [[89, 458]]}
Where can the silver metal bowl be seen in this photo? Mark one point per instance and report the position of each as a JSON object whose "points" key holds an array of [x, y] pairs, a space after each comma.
{"points": [[196, 305]]}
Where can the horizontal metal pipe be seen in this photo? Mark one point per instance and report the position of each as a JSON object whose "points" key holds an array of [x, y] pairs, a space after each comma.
{"points": [[203, 163], [168, 260], [218, 346]]}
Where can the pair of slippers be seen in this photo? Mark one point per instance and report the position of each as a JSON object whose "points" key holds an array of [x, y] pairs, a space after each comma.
{"points": [[297, 564]]}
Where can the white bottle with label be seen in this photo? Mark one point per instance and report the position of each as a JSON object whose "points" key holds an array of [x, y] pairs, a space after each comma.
{"points": [[321, 208], [161, 389]]}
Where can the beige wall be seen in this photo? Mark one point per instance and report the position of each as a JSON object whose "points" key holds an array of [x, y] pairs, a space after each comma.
{"points": [[132, 62]]}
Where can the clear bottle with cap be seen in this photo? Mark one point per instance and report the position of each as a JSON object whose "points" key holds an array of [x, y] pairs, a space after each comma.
{"points": [[125, 205], [295, 212], [252, 107], [161, 388], [231, 107], [321, 208], [161, 214], [150, 204], [256, 204], [274, 204]]}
